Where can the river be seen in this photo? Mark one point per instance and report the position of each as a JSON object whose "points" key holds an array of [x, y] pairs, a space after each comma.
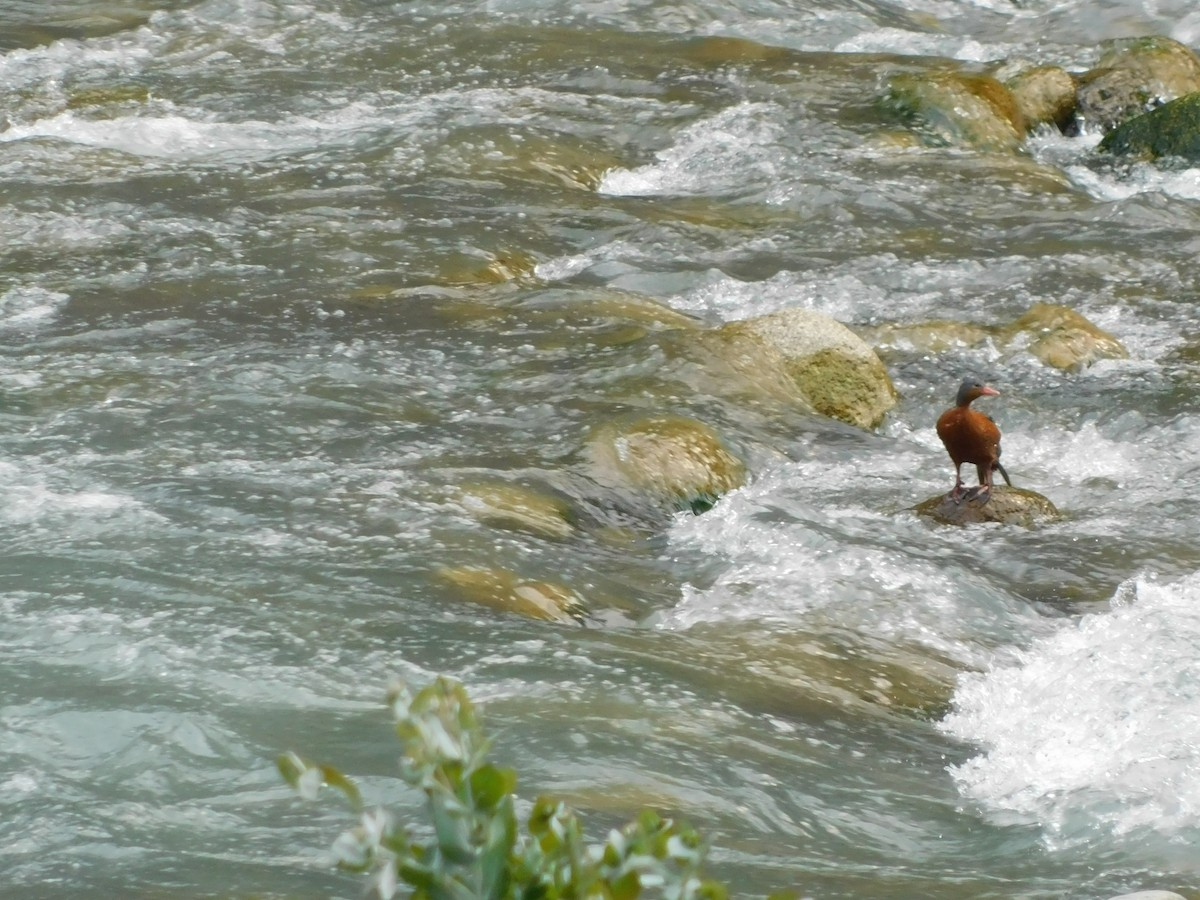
{"points": [[291, 292]]}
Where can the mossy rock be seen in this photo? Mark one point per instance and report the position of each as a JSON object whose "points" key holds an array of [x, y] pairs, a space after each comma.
{"points": [[1062, 338], [1045, 95], [668, 458], [506, 591], [1005, 506], [1172, 130], [518, 508], [957, 109], [833, 369], [1132, 76]]}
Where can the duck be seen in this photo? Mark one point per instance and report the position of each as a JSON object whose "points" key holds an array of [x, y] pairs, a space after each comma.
{"points": [[972, 437]]}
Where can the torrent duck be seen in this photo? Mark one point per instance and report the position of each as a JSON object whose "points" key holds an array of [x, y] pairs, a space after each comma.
{"points": [[972, 437]]}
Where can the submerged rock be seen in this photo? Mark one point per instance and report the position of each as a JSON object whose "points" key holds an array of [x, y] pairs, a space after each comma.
{"points": [[724, 51], [519, 508], [506, 591], [484, 269], [1170, 130], [958, 109], [1007, 506], [673, 459], [1062, 338], [608, 317], [835, 371], [924, 337], [1057, 335], [1134, 75]]}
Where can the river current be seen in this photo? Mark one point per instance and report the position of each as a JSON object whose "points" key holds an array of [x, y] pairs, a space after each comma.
{"points": [[286, 288]]}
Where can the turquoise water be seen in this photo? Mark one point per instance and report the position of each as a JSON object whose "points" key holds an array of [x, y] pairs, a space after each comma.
{"points": [[285, 288]]}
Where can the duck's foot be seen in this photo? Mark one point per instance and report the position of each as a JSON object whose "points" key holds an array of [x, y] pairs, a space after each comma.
{"points": [[982, 493]]}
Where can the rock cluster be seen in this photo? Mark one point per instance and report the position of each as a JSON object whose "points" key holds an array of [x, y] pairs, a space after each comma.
{"points": [[1143, 94]]}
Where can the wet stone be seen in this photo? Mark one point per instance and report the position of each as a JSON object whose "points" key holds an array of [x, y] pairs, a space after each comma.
{"points": [[518, 508], [1005, 506], [958, 109], [665, 458]]}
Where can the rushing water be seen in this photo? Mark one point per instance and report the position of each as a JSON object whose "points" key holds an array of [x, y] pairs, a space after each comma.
{"points": [[280, 281]]}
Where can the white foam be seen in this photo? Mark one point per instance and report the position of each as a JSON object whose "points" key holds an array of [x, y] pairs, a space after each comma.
{"points": [[176, 136], [783, 553], [1142, 178], [716, 154], [27, 306], [1097, 727], [841, 296], [914, 43]]}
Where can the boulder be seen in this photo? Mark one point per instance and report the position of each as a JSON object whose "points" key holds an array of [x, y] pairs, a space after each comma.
{"points": [[1044, 95], [1170, 130], [834, 370], [1006, 505], [1132, 76], [506, 591], [957, 109], [1062, 338], [668, 458]]}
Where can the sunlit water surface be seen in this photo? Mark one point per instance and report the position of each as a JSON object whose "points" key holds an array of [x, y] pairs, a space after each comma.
{"points": [[277, 280]]}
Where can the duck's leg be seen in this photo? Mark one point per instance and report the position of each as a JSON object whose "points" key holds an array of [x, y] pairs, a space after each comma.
{"points": [[957, 493], [983, 493]]}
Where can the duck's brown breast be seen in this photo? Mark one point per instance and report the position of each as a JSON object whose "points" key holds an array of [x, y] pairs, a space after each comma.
{"points": [[969, 436]]}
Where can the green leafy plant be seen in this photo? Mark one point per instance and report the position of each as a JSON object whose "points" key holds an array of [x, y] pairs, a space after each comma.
{"points": [[476, 849]]}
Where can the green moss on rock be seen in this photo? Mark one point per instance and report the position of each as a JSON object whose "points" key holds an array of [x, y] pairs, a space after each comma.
{"points": [[1172, 130]]}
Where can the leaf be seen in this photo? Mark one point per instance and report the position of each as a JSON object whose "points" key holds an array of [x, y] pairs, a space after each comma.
{"points": [[714, 890], [627, 887], [490, 785], [495, 862], [388, 882], [453, 832], [415, 873], [336, 780], [291, 767], [307, 778]]}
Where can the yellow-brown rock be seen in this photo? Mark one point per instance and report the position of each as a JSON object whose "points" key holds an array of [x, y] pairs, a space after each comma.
{"points": [[1062, 338], [1005, 506], [1132, 76], [834, 371], [516, 507], [1045, 95], [671, 459], [951, 108], [504, 590]]}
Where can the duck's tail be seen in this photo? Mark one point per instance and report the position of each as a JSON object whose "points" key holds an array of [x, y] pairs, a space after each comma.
{"points": [[999, 468]]}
